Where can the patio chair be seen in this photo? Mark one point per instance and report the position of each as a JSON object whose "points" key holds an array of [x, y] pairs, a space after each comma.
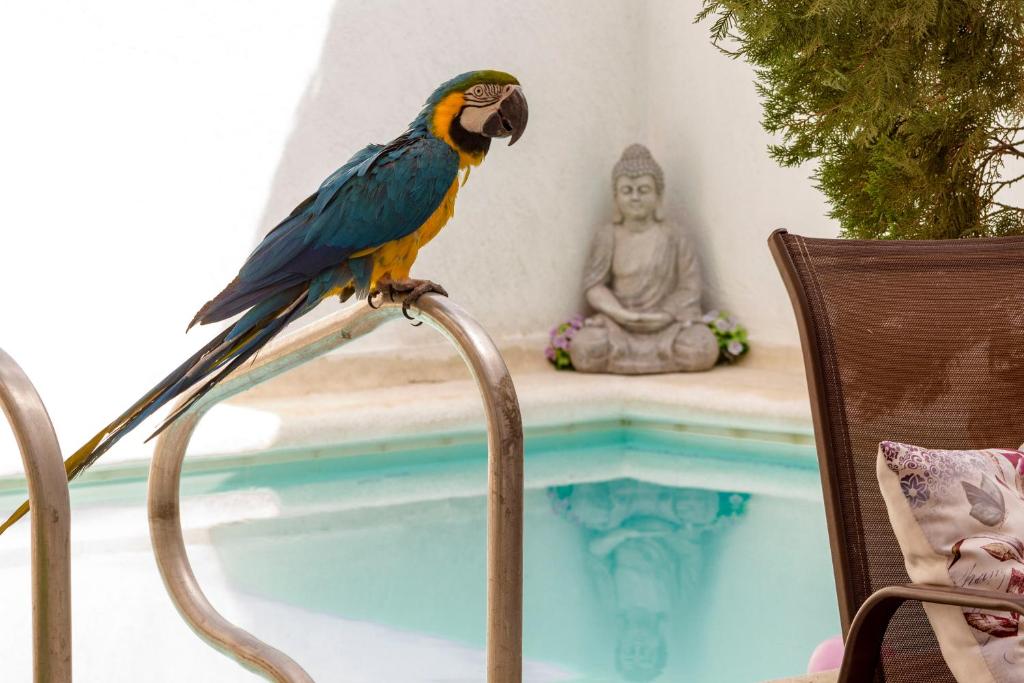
{"points": [[914, 341]]}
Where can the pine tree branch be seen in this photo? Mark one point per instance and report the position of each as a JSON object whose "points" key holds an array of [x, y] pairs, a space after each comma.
{"points": [[1003, 142], [1000, 149], [1008, 150], [909, 112], [999, 185], [999, 212]]}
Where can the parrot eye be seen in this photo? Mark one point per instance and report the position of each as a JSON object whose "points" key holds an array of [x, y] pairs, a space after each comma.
{"points": [[477, 91]]}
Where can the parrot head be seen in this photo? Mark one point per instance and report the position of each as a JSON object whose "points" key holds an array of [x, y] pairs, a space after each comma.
{"points": [[470, 110]]}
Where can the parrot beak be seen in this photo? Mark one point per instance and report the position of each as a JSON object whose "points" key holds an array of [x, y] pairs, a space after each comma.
{"points": [[510, 117]]}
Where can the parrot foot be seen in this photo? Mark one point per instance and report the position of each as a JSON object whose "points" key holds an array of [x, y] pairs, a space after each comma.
{"points": [[412, 289]]}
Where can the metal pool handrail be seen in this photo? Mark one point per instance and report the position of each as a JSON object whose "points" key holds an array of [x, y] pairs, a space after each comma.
{"points": [[51, 523], [504, 499]]}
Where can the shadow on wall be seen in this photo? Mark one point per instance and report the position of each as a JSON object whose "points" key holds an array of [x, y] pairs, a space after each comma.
{"points": [[524, 221]]}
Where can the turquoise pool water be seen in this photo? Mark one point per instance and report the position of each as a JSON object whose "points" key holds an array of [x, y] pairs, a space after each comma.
{"points": [[657, 552], [652, 554]]}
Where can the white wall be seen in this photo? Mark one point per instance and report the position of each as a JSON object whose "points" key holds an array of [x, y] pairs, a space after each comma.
{"points": [[146, 149], [513, 253], [598, 75], [704, 124]]}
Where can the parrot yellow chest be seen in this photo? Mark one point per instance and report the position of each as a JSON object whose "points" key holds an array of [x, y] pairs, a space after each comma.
{"points": [[395, 259]]}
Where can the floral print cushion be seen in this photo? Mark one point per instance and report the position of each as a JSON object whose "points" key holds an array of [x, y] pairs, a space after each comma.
{"points": [[959, 520]]}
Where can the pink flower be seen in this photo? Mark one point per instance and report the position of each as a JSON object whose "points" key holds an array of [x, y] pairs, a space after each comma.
{"points": [[1016, 459]]}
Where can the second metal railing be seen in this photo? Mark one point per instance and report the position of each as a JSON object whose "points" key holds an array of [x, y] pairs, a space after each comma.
{"points": [[504, 499], [51, 523]]}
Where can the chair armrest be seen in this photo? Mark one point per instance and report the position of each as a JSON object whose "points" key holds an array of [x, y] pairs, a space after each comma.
{"points": [[950, 595], [864, 640]]}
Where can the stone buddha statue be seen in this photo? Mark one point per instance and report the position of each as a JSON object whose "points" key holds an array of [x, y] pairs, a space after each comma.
{"points": [[643, 282]]}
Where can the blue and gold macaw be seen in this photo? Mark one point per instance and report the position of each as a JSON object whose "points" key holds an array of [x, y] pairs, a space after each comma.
{"points": [[358, 234]]}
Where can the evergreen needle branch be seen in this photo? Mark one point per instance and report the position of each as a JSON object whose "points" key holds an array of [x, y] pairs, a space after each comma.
{"points": [[1006, 148], [999, 185], [908, 111]]}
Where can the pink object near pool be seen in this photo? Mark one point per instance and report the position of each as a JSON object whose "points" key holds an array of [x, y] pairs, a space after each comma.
{"points": [[827, 656]]}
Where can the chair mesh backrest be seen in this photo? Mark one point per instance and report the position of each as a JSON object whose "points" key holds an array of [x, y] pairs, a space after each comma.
{"points": [[912, 341]]}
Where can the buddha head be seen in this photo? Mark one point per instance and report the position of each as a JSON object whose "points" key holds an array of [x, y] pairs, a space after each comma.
{"points": [[641, 652], [637, 184], [590, 505]]}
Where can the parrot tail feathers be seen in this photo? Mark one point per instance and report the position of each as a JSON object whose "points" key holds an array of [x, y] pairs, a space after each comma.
{"points": [[225, 352], [73, 465], [240, 295], [245, 350], [18, 514]]}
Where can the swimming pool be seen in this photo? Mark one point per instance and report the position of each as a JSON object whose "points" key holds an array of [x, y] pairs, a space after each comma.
{"points": [[654, 551], [651, 553]]}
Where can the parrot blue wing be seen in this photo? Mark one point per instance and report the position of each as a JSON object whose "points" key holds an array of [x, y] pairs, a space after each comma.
{"points": [[381, 194]]}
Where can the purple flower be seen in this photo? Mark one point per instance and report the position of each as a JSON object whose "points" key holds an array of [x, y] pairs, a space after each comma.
{"points": [[890, 451], [709, 317], [559, 338], [735, 347], [724, 325], [915, 488]]}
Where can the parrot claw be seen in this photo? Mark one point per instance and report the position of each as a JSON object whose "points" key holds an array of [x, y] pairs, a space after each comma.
{"points": [[384, 288], [412, 289]]}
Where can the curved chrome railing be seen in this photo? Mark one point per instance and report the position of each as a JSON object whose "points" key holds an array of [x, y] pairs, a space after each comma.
{"points": [[504, 500], [51, 523]]}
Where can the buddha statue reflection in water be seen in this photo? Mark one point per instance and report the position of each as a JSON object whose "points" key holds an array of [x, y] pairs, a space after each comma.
{"points": [[643, 281], [648, 545]]}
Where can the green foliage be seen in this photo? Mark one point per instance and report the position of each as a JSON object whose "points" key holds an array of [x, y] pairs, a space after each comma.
{"points": [[730, 335], [911, 108], [559, 340]]}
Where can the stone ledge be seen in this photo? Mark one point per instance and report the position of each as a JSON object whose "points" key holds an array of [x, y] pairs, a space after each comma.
{"points": [[401, 395], [329, 400]]}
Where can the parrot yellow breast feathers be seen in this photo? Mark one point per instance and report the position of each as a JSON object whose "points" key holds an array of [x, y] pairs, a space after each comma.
{"points": [[359, 233]]}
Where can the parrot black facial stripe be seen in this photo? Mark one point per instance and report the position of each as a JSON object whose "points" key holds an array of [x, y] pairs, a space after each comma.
{"points": [[468, 142]]}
